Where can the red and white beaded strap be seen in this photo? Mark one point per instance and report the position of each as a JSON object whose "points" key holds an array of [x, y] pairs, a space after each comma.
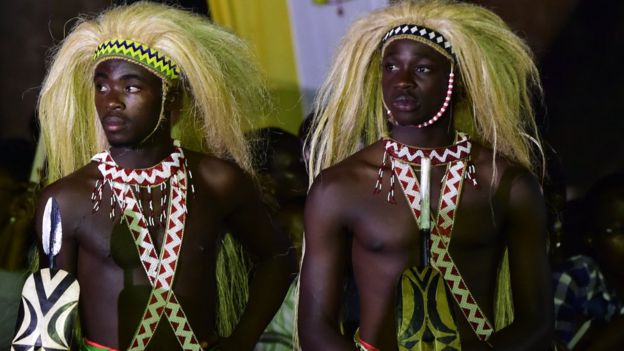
{"points": [[152, 176], [442, 155], [441, 235], [458, 151], [148, 178], [160, 271]]}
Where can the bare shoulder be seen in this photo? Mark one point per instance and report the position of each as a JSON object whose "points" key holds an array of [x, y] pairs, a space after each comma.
{"points": [[513, 181], [340, 184], [74, 189], [73, 195], [221, 177]]}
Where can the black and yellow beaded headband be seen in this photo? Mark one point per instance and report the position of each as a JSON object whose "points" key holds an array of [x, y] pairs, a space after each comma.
{"points": [[159, 64], [421, 34]]}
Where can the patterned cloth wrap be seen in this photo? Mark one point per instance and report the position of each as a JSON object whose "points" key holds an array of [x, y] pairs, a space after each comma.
{"points": [[278, 335], [424, 316], [582, 297]]}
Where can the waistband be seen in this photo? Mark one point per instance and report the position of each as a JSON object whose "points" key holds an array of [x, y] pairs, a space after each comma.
{"points": [[361, 344], [88, 345]]}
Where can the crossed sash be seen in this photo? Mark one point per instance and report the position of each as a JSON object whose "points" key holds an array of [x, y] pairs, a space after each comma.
{"points": [[455, 157], [160, 270]]}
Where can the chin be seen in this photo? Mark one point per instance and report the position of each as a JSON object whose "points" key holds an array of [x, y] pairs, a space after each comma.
{"points": [[121, 142]]}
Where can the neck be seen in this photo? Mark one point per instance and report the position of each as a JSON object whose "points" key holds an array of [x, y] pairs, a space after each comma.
{"points": [[145, 155], [436, 135]]}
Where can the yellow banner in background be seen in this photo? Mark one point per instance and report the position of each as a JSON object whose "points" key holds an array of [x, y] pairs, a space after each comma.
{"points": [[265, 26]]}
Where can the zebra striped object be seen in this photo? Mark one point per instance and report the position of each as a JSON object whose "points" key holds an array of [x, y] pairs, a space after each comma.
{"points": [[46, 315]]}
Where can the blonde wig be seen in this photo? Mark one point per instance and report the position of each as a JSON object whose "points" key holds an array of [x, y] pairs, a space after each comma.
{"points": [[221, 86], [496, 71]]}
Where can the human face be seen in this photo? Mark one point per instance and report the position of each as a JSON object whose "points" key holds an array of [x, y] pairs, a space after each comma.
{"points": [[609, 241], [128, 101], [414, 81]]}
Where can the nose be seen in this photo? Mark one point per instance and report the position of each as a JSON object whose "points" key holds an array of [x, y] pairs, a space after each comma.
{"points": [[404, 80], [114, 102]]}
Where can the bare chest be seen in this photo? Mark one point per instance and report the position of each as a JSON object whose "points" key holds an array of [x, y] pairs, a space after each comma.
{"points": [[475, 225], [118, 240]]}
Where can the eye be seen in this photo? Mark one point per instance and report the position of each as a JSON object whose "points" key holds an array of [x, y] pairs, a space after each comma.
{"points": [[133, 89], [390, 67], [99, 87], [423, 69]]}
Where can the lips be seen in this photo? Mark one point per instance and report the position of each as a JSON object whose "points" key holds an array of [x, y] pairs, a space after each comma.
{"points": [[405, 103], [113, 123]]}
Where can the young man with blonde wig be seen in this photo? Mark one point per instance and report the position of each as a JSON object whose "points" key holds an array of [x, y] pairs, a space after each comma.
{"points": [[425, 187], [145, 220]]}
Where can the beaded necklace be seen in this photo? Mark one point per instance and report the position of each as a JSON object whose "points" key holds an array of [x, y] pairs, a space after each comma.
{"points": [[160, 269]]}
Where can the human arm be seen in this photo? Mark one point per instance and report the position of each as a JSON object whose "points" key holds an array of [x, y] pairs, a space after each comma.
{"points": [[272, 259], [322, 271], [530, 273]]}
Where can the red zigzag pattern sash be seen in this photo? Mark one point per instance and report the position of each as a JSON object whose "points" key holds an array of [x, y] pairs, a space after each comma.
{"points": [[456, 158], [160, 270]]}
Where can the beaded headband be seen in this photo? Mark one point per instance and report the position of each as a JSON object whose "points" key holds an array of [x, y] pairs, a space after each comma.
{"points": [[159, 64], [421, 34]]}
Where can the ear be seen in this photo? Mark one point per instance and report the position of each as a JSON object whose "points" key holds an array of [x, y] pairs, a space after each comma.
{"points": [[174, 97], [173, 102]]}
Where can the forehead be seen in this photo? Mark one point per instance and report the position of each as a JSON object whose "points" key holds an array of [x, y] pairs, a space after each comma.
{"points": [[411, 48], [118, 69]]}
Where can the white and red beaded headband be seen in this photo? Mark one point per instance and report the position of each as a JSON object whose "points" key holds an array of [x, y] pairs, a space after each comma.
{"points": [[421, 34]]}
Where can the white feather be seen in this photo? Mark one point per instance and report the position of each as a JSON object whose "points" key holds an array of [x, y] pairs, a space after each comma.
{"points": [[51, 230], [45, 227]]}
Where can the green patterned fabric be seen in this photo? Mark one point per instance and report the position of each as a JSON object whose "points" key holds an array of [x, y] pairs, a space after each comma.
{"points": [[142, 54], [278, 336], [425, 318]]}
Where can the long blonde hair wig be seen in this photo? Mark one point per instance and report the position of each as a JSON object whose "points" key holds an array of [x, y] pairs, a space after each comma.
{"points": [[221, 90], [496, 71], [221, 86]]}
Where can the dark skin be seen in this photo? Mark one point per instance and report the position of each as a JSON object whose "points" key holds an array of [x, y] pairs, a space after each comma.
{"points": [[114, 286], [343, 216], [607, 243]]}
